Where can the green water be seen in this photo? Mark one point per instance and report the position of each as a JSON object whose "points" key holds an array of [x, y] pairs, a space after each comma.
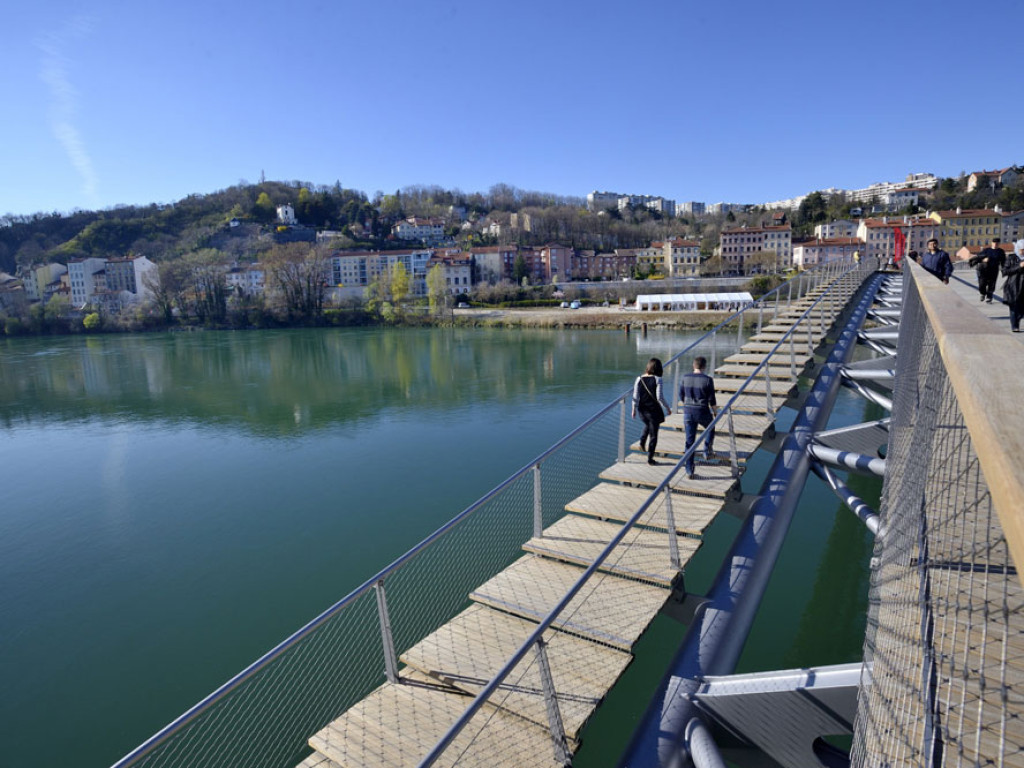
{"points": [[174, 505]]}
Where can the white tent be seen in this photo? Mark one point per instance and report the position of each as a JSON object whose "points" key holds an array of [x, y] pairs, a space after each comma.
{"points": [[691, 302]]}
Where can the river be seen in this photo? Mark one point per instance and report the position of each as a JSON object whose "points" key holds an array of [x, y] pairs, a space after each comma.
{"points": [[175, 504]]}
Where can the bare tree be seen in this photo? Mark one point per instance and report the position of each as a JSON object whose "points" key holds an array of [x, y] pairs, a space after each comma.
{"points": [[296, 275]]}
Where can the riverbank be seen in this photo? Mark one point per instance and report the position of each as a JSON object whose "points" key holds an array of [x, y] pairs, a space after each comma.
{"points": [[597, 318]]}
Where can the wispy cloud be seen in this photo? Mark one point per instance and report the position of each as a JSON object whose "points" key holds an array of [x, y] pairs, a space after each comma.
{"points": [[64, 103]]}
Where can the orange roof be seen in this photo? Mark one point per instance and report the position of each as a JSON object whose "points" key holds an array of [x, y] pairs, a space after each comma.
{"points": [[967, 213]]}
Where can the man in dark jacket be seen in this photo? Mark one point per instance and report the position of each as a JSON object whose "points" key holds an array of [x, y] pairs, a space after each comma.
{"points": [[937, 262], [988, 262], [1013, 288]]}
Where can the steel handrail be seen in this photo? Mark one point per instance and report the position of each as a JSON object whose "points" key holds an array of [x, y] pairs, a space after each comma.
{"points": [[488, 690]]}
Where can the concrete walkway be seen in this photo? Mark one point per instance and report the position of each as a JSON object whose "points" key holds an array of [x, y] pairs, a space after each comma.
{"points": [[965, 284]]}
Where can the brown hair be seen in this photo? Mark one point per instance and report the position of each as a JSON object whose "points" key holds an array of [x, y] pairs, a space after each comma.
{"points": [[654, 367]]}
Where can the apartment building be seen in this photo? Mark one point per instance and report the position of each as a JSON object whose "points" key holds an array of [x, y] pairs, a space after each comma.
{"points": [[493, 263], [357, 269], [246, 280], [820, 250], [967, 227], [879, 235], [415, 228], [837, 228], [85, 277], [457, 269], [738, 245]]}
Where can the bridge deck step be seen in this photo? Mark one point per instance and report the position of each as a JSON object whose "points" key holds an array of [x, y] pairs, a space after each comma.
{"points": [[609, 609], [779, 359], [672, 442], [743, 371], [642, 554], [779, 389], [710, 480], [609, 501], [398, 723], [467, 652], [746, 425]]}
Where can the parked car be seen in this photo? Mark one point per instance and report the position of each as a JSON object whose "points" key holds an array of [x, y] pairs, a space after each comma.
{"points": [[564, 305], [574, 305]]}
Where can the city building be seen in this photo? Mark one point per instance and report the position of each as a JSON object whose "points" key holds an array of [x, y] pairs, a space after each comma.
{"points": [[131, 274], [597, 201], [1013, 226], [286, 215], [354, 270], [739, 245], [837, 228], [967, 227], [691, 207], [820, 250], [493, 263], [676, 257], [425, 230], [457, 269], [36, 280], [85, 276], [992, 179], [246, 279], [879, 235]]}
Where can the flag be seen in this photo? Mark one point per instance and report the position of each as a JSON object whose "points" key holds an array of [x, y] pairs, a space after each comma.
{"points": [[901, 242]]}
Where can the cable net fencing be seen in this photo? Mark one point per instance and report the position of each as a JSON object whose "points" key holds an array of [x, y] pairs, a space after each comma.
{"points": [[944, 678]]}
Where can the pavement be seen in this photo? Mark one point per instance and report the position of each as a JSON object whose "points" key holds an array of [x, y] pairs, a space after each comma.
{"points": [[964, 283]]}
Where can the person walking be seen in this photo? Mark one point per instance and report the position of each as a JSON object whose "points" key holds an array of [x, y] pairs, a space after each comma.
{"points": [[1013, 288], [937, 261], [649, 402], [988, 262], [697, 391]]}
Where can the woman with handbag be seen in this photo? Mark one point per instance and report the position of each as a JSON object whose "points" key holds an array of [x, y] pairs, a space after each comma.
{"points": [[650, 403]]}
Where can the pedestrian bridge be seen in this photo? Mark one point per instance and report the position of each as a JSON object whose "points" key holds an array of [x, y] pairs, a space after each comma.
{"points": [[494, 640]]}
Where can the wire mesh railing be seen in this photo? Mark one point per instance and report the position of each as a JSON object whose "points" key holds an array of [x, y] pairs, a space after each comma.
{"points": [[266, 713], [944, 675]]}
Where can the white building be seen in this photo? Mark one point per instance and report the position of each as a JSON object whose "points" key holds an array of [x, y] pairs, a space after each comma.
{"points": [[597, 201], [1013, 227], [414, 228], [85, 276], [837, 228], [357, 269], [286, 214], [691, 207], [246, 280], [821, 250]]}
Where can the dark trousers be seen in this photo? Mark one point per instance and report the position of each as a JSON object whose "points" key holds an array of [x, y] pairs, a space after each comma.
{"points": [[691, 418], [987, 283], [1016, 315], [650, 433]]}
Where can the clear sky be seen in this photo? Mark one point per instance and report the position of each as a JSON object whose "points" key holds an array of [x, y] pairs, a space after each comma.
{"points": [[116, 102]]}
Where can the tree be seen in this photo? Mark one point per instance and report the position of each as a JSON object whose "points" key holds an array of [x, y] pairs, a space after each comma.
{"points": [[399, 283], [91, 322], [263, 211], [520, 272], [436, 289], [296, 275], [205, 285]]}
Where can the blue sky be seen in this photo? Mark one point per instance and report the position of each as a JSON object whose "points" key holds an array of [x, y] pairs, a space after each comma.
{"points": [[117, 102]]}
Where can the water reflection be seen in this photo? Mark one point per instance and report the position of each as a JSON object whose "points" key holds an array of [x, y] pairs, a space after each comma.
{"points": [[285, 382]]}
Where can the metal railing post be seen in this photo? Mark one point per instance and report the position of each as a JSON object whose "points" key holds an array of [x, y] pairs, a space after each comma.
{"points": [[733, 453], [769, 404], [821, 318], [778, 298], [810, 335], [674, 395], [714, 349], [760, 316], [622, 431], [792, 355], [670, 521], [386, 636], [799, 283], [538, 507], [739, 329], [558, 742]]}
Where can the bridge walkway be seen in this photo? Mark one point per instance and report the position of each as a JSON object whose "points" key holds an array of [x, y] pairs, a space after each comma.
{"points": [[590, 644]]}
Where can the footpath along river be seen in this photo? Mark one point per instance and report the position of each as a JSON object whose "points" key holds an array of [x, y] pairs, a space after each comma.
{"points": [[175, 504]]}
